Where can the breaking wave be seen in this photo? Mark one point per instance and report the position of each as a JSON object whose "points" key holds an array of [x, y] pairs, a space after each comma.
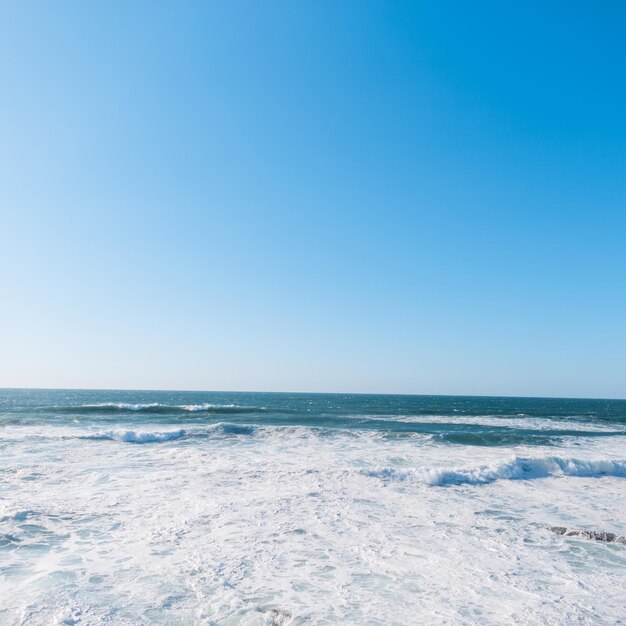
{"points": [[135, 436], [519, 468], [156, 407], [149, 436]]}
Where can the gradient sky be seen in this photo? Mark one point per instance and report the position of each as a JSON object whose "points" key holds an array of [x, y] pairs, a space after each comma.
{"points": [[420, 197]]}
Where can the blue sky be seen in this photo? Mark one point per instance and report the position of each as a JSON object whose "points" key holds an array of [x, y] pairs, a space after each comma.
{"points": [[316, 196]]}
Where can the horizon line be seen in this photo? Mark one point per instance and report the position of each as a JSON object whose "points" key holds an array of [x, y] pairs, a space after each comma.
{"points": [[325, 393]]}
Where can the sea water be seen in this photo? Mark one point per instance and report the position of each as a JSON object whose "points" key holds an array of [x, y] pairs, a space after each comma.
{"points": [[121, 507]]}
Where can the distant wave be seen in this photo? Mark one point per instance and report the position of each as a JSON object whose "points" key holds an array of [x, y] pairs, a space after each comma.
{"points": [[519, 422], [519, 468], [155, 407]]}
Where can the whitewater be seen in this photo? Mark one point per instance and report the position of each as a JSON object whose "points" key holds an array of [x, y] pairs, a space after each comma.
{"points": [[141, 508]]}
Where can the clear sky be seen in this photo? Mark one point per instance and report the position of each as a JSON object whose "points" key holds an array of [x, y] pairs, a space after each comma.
{"points": [[420, 197]]}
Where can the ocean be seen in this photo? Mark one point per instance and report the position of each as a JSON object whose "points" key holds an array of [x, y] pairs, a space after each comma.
{"points": [[177, 508]]}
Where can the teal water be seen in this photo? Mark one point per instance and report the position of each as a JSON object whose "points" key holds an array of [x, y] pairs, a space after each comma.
{"points": [[486, 421]]}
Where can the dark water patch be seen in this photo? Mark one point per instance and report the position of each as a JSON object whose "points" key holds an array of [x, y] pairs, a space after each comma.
{"points": [[495, 439], [8, 541], [278, 617], [589, 534], [31, 531]]}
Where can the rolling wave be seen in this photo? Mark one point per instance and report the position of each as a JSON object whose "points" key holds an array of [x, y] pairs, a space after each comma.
{"points": [[519, 468], [151, 436], [134, 436]]}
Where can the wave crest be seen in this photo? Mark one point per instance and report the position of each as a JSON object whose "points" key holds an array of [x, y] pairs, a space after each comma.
{"points": [[519, 468]]}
